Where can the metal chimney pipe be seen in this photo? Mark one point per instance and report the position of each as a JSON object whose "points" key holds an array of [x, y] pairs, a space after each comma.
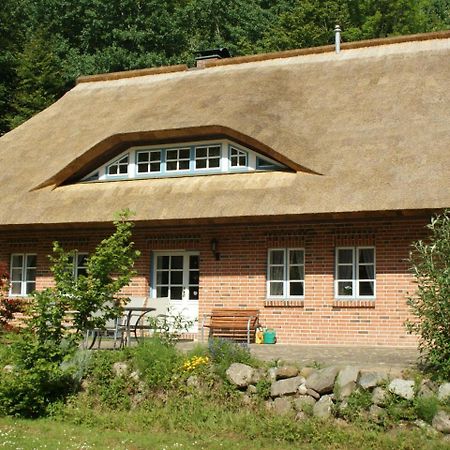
{"points": [[337, 38]]}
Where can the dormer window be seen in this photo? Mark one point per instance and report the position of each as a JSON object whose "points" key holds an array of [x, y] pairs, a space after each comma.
{"points": [[187, 159]]}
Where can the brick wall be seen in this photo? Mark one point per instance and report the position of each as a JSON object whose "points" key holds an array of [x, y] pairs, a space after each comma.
{"points": [[238, 278]]}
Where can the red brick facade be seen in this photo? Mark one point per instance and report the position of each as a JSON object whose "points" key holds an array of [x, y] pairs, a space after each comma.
{"points": [[238, 278]]}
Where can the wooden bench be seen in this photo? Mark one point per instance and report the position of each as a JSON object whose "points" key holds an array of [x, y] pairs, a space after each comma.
{"points": [[235, 324]]}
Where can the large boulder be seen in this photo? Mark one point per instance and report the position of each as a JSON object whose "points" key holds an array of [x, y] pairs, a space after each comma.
{"points": [[240, 375], [288, 386], [282, 406], [441, 421], [346, 382], [323, 408], [371, 379], [402, 388], [286, 372], [322, 381], [304, 403], [444, 392]]}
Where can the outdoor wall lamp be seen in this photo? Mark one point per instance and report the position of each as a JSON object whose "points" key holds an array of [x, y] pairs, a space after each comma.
{"points": [[214, 249]]}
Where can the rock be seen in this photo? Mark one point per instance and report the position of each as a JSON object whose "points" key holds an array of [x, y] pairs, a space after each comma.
{"points": [[9, 368], [375, 412], [300, 416], [379, 396], [134, 375], [193, 382], [343, 406], [240, 375], [286, 372], [258, 375], [369, 380], [306, 371], [272, 374], [268, 405], [322, 381], [425, 426], [304, 402], [285, 387], [313, 393], [120, 368], [322, 409], [282, 406], [346, 382], [402, 388], [427, 389], [441, 421], [251, 389], [302, 389], [444, 392]]}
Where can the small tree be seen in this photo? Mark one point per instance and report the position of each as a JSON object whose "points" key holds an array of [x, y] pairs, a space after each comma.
{"points": [[430, 262]]}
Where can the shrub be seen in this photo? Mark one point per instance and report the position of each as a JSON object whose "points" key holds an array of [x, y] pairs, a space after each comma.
{"points": [[430, 262], [426, 408]]}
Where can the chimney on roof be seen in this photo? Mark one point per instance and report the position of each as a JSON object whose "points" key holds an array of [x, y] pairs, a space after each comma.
{"points": [[337, 38], [213, 54]]}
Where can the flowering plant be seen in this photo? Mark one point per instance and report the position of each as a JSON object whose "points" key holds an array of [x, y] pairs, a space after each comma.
{"points": [[194, 363]]}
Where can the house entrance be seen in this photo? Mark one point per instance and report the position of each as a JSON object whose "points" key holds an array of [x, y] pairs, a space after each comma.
{"points": [[176, 282]]}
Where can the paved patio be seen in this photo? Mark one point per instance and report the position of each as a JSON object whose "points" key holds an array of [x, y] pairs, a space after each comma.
{"points": [[379, 358]]}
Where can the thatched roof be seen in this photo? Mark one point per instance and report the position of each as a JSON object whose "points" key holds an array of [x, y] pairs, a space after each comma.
{"points": [[366, 130]]}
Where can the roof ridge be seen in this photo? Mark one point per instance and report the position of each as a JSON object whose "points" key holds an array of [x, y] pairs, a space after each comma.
{"points": [[266, 56]]}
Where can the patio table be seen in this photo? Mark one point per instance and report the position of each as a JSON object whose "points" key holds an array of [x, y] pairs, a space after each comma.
{"points": [[135, 311]]}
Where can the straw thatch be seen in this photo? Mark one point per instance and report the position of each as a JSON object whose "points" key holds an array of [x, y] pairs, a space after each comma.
{"points": [[364, 131]]}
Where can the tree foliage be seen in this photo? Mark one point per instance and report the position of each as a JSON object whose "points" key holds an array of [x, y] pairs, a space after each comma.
{"points": [[46, 44], [431, 304]]}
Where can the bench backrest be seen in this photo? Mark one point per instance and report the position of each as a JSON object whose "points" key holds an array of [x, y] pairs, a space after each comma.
{"points": [[234, 318]]}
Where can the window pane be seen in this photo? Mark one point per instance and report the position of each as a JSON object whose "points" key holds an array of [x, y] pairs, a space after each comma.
{"points": [[31, 260], [214, 151], [142, 168], [296, 288], [276, 273], [172, 165], [366, 288], [162, 291], [296, 273], [162, 277], [345, 255], [16, 287], [242, 161], [82, 272], [172, 154], [184, 165], [276, 288], [155, 156], [112, 170], [200, 152], [366, 272], [82, 260], [193, 261], [177, 262], [176, 293], [193, 277], [123, 169], [277, 257], [176, 277], [193, 293], [345, 288], [184, 153], [366, 255], [16, 275], [31, 275], [296, 257], [142, 157], [17, 261], [214, 162], [30, 287], [200, 164], [155, 167], [345, 272], [163, 262]]}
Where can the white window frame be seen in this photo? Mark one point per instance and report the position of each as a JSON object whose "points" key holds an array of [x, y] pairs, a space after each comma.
{"points": [[286, 280], [208, 158], [76, 267], [158, 161], [118, 163], [178, 159], [24, 281], [355, 280], [239, 154]]}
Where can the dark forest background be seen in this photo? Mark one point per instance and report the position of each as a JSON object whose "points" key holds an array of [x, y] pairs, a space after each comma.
{"points": [[46, 44]]}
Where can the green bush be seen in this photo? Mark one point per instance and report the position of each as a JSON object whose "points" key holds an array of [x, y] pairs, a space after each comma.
{"points": [[359, 401], [426, 408], [157, 361], [430, 262]]}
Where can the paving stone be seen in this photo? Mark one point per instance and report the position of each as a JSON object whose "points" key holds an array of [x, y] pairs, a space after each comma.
{"points": [[285, 387], [371, 379], [441, 421], [241, 375], [346, 381], [322, 381], [444, 391], [282, 406], [322, 408], [402, 388]]}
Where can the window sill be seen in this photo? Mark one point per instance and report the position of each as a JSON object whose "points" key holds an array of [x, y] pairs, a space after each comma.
{"points": [[354, 303], [284, 303]]}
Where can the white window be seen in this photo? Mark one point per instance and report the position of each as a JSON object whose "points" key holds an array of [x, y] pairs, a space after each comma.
{"points": [[178, 159], [23, 274], [286, 273], [238, 158], [355, 272], [120, 167], [207, 157], [149, 162], [79, 264]]}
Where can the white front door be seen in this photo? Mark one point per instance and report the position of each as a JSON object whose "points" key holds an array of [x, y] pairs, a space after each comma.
{"points": [[176, 282]]}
